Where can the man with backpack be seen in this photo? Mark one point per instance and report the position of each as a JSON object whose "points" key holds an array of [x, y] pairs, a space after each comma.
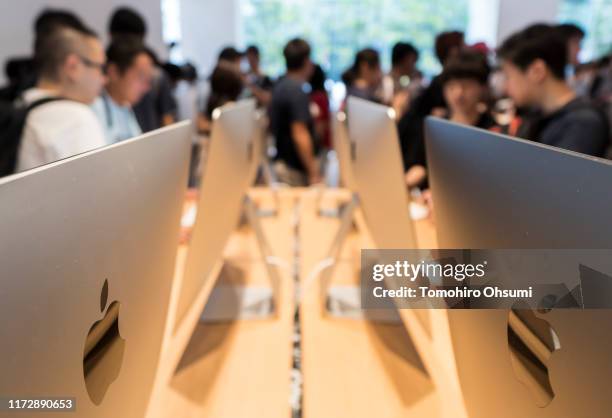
{"points": [[56, 119]]}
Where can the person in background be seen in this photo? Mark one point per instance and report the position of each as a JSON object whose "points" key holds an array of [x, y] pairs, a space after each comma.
{"points": [[404, 78], [174, 74], [600, 89], [225, 84], [429, 102], [70, 67], [466, 90], [21, 72], [319, 106], [232, 58], [186, 93], [573, 36], [533, 61], [189, 73], [583, 78], [465, 87], [129, 70], [157, 108], [257, 82], [364, 77], [291, 122]]}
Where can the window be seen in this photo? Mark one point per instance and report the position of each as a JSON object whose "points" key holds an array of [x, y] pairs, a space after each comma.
{"points": [[336, 29], [594, 16], [171, 28]]}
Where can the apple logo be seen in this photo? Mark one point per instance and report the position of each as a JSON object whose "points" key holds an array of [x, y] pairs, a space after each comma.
{"points": [[104, 349], [532, 342]]}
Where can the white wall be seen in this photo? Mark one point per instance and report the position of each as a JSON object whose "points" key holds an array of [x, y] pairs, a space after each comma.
{"points": [[17, 18], [492, 21], [483, 19], [516, 14], [207, 26]]}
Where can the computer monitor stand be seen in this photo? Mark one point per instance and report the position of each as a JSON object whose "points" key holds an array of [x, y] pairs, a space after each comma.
{"points": [[344, 301], [228, 302], [334, 212], [270, 212]]}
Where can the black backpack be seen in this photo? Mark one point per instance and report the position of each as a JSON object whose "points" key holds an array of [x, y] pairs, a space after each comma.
{"points": [[12, 121]]}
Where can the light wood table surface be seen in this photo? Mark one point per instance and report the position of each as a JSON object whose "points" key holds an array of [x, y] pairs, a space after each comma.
{"points": [[350, 368], [240, 368], [355, 368]]}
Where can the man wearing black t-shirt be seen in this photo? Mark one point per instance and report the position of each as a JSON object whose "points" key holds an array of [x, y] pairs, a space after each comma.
{"points": [[290, 120], [533, 61]]}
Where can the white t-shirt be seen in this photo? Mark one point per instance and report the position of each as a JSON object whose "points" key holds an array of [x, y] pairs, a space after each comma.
{"points": [[56, 130]]}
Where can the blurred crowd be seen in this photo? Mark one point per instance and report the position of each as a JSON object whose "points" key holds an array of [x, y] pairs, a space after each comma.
{"points": [[73, 94]]}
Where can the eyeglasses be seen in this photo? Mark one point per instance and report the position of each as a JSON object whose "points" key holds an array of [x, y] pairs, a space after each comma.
{"points": [[92, 64]]}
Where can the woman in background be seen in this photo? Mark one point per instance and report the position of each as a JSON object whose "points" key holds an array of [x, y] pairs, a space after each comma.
{"points": [[319, 107], [226, 85], [364, 77]]}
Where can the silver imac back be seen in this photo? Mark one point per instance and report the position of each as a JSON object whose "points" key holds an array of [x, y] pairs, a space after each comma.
{"points": [[228, 173], [87, 249], [495, 192], [378, 174], [344, 150]]}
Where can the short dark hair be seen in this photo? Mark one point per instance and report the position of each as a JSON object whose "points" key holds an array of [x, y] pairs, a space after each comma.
{"points": [[368, 56], [229, 53], [173, 71], [401, 50], [317, 79], [123, 52], [447, 41], [18, 68], [225, 85], [253, 49], [468, 64], [127, 21], [539, 41], [53, 49], [570, 30], [51, 19], [297, 53], [189, 72]]}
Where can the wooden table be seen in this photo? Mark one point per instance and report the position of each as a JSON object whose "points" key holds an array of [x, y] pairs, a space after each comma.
{"points": [[240, 368], [355, 368], [350, 368]]}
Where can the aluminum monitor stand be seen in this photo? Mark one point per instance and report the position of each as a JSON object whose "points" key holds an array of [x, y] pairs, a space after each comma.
{"points": [[344, 301], [228, 303]]}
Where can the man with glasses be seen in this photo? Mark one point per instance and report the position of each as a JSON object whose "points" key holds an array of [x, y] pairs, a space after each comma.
{"points": [[129, 70], [70, 65]]}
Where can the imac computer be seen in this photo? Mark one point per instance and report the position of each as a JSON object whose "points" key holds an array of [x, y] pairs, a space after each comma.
{"points": [[87, 248], [368, 150], [378, 174], [231, 166], [495, 192]]}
